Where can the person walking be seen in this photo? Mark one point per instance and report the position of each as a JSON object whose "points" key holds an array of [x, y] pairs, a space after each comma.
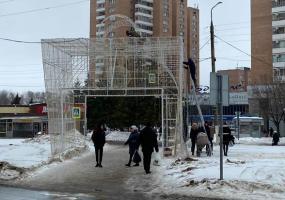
{"points": [[133, 146], [98, 138], [227, 137], [148, 141], [276, 137], [193, 136], [208, 131]]}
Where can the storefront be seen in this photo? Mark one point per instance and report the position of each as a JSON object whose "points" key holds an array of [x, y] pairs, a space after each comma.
{"points": [[22, 127]]}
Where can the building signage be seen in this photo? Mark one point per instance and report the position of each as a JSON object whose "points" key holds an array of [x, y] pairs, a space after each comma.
{"points": [[235, 98], [238, 98]]}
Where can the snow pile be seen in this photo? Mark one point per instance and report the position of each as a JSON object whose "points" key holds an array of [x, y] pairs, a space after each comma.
{"points": [[251, 171], [22, 155], [117, 136], [18, 155]]}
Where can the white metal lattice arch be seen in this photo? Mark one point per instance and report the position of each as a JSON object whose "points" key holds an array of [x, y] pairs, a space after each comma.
{"points": [[126, 67]]}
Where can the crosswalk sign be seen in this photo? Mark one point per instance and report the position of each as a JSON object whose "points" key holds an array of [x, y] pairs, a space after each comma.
{"points": [[76, 112]]}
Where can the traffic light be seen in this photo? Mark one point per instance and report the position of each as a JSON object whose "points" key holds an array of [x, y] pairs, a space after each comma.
{"points": [[192, 69]]}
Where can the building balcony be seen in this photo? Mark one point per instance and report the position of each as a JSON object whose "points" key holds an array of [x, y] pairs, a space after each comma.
{"points": [[100, 1], [279, 64], [280, 23], [100, 17], [144, 7], [278, 50], [138, 13], [278, 9], [143, 22], [144, 31], [100, 9], [276, 37]]}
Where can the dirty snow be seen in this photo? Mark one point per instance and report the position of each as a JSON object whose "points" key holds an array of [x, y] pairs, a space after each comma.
{"points": [[253, 170]]}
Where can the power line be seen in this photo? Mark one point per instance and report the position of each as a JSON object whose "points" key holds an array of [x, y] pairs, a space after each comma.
{"points": [[37, 42], [252, 57], [205, 44], [42, 9], [230, 24]]}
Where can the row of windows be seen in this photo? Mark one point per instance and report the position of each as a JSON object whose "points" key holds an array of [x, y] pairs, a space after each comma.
{"points": [[165, 16], [278, 3], [101, 5], [278, 58], [144, 18], [278, 16], [145, 27], [278, 44], [102, 13], [145, 11], [145, 3], [279, 30]]}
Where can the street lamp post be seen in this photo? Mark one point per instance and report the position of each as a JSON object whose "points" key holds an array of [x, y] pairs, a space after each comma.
{"points": [[213, 58], [212, 39]]}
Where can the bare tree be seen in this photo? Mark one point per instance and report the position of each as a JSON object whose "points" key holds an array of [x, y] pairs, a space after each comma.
{"points": [[271, 101]]}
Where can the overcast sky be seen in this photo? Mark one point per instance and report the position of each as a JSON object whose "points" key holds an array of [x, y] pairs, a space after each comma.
{"points": [[21, 64]]}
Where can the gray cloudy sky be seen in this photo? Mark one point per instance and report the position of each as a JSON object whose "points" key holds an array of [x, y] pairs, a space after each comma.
{"points": [[21, 64]]}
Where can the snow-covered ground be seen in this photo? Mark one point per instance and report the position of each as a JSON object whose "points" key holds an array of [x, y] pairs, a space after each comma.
{"points": [[25, 152], [253, 169]]}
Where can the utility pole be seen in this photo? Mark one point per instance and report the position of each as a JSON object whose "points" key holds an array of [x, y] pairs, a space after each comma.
{"points": [[213, 58]]}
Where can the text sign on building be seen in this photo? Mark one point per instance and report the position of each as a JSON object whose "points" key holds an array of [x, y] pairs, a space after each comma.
{"points": [[238, 98], [214, 90], [76, 112]]}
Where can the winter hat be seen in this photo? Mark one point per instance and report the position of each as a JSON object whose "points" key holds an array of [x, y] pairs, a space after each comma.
{"points": [[134, 127]]}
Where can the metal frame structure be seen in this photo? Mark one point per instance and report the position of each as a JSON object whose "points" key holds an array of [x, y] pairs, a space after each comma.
{"points": [[77, 68]]}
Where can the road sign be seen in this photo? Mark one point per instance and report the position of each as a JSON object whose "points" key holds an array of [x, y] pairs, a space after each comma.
{"points": [[214, 89], [76, 113]]}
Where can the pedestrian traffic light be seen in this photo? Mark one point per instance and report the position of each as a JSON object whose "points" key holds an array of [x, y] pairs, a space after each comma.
{"points": [[192, 69]]}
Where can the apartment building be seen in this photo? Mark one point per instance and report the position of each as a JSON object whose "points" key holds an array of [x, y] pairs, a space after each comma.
{"points": [[152, 18], [268, 41]]}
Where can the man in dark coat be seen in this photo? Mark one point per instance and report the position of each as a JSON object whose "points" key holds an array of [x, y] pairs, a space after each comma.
{"points": [[98, 138], [193, 136], [148, 141], [227, 137], [275, 139], [133, 145]]}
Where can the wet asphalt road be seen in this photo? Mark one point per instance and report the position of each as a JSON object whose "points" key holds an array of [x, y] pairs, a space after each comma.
{"points": [[79, 179], [9, 193]]}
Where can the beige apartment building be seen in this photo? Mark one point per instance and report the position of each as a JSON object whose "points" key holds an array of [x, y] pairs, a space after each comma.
{"points": [[268, 41], [153, 18]]}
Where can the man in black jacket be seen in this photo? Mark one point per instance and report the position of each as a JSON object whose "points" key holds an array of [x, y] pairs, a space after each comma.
{"points": [[98, 138], [148, 141]]}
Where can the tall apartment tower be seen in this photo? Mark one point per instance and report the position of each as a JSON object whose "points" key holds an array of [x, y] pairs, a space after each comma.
{"points": [[153, 18], [268, 41]]}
